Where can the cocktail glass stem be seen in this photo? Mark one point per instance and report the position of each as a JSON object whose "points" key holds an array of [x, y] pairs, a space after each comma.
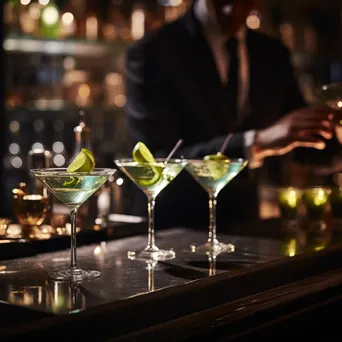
{"points": [[213, 246], [151, 251], [212, 240], [73, 259], [151, 246]]}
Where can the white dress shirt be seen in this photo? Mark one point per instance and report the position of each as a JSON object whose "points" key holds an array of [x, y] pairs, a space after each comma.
{"points": [[216, 41]]}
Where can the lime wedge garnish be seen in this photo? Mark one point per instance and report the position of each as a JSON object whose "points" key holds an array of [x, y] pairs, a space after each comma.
{"points": [[84, 162], [89, 154], [72, 183], [217, 156], [152, 177], [217, 165], [142, 155]]}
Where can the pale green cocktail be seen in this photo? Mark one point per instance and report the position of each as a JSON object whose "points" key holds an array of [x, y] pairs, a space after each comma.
{"points": [[76, 195], [213, 176], [73, 189], [152, 178]]}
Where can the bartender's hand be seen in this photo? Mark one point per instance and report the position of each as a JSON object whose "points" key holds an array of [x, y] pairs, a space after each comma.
{"points": [[305, 127]]}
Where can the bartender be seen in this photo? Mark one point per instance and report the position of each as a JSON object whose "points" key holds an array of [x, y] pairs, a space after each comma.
{"points": [[205, 76]]}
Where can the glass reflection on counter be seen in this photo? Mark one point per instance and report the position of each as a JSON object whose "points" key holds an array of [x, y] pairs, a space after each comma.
{"points": [[317, 240], [25, 296], [60, 298], [289, 247], [212, 263], [306, 241], [293, 242], [150, 279]]}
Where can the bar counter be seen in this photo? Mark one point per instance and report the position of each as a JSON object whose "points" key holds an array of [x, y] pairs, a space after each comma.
{"points": [[132, 296]]}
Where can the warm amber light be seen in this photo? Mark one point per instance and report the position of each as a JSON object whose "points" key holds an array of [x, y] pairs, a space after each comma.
{"points": [[84, 90], [138, 24], [253, 22], [120, 100], [67, 18], [320, 198], [317, 196], [50, 15], [290, 197]]}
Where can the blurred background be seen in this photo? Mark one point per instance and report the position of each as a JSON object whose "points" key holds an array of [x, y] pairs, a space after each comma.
{"points": [[63, 62]]}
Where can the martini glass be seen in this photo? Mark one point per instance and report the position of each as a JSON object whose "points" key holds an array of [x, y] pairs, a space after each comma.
{"points": [[73, 190], [213, 176], [331, 95], [152, 178]]}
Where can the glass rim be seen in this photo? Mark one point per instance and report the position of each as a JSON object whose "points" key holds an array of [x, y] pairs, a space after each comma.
{"points": [[329, 85], [232, 160], [62, 172], [285, 187], [158, 160], [324, 188], [289, 187]]}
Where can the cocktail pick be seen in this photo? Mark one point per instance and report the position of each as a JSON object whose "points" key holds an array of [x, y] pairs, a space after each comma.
{"points": [[179, 143], [226, 142]]}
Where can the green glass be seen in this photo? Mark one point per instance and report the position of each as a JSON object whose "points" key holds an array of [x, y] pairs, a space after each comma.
{"points": [[151, 178], [289, 199], [316, 200], [331, 95], [73, 190], [213, 176], [336, 202]]}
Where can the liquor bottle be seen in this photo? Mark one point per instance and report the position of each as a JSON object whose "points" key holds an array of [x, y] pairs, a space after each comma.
{"points": [[92, 21], [138, 21], [49, 21], [72, 19], [88, 212], [83, 137], [12, 17], [117, 24], [37, 159]]}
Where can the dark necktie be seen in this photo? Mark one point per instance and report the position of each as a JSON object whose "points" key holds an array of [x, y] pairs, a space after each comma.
{"points": [[232, 88]]}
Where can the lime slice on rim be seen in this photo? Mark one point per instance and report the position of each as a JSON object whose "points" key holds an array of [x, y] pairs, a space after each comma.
{"points": [[142, 155], [217, 165], [84, 162], [217, 156], [89, 154]]}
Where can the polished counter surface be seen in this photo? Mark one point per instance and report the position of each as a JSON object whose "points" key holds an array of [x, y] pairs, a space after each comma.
{"points": [[24, 282], [132, 295]]}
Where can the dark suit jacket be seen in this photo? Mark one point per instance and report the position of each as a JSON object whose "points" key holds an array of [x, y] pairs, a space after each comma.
{"points": [[174, 91]]}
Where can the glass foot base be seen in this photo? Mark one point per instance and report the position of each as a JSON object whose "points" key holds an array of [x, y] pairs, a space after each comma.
{"points": [[213, 249], [152, 254], [74, 275]]}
